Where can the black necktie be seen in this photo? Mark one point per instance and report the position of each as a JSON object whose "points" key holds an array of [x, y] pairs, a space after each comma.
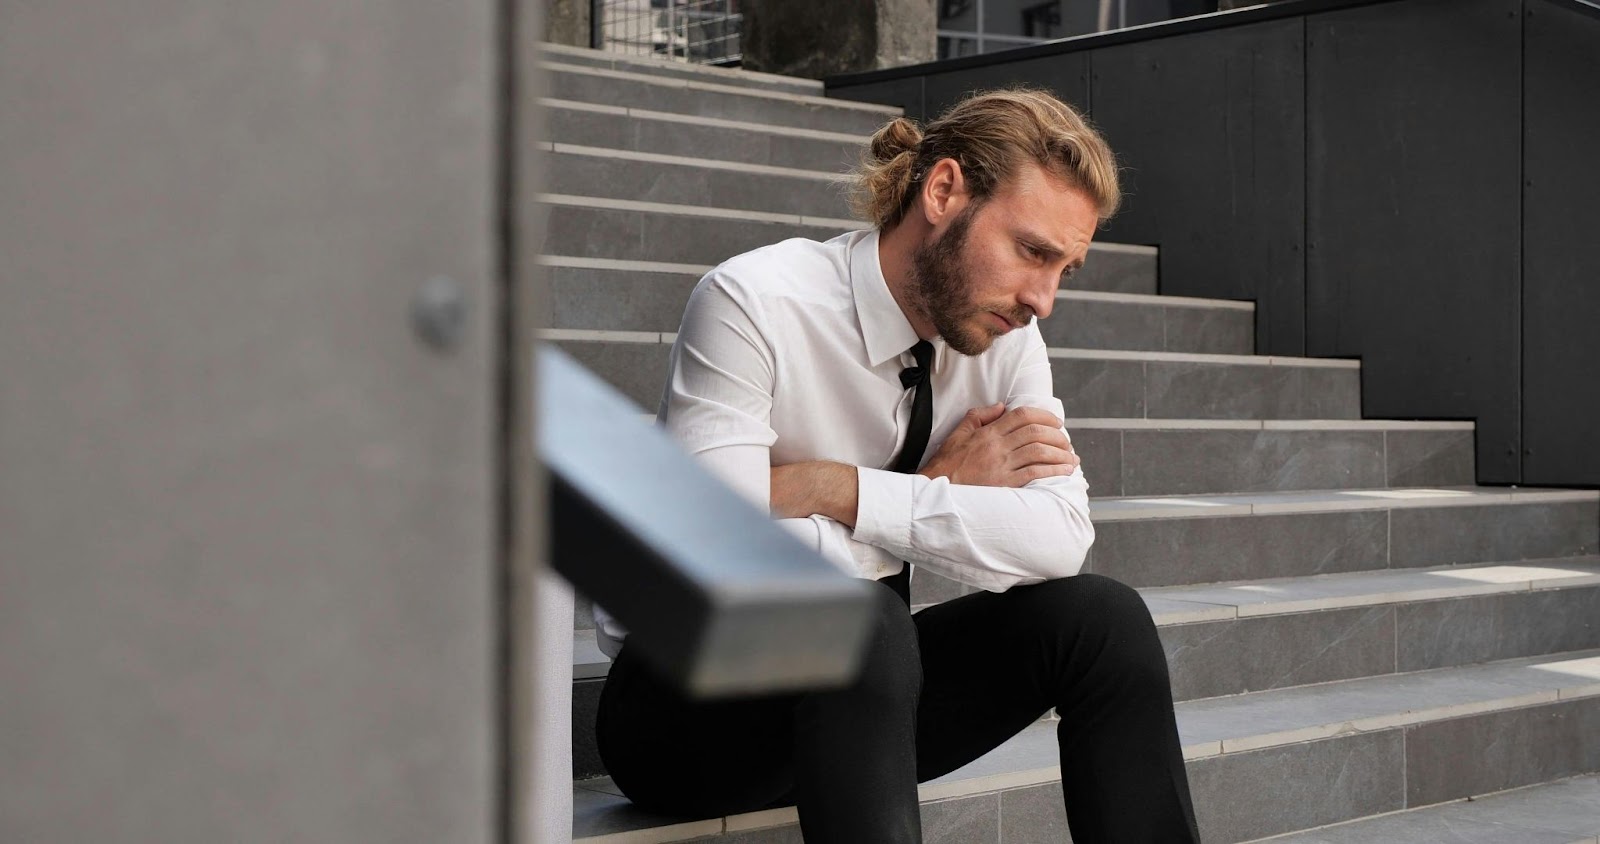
{"points": [[919, 377]]}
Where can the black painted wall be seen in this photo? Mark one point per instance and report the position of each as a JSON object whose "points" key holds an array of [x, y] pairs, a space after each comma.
{"points": [[1561, 247], [1414, 252], [1211, 129], [1411, 182]]}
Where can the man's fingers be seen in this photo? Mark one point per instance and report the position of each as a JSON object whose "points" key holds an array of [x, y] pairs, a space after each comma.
{"points": [[1037, 433], [1040, 453], [1023, 416], [1046, 470], [981, 416]]}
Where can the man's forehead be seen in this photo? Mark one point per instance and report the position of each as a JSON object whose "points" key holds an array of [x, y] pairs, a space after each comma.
{"points": [[1048, 208]]}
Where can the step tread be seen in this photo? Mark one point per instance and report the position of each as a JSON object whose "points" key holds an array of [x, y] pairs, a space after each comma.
{"points": [[1246, 599], [1323, 501], [560, 149], [1065, 353], [558, 52], [1208, 728], [717, 87], [1172, 605], [1562, 812], [704, 120]]}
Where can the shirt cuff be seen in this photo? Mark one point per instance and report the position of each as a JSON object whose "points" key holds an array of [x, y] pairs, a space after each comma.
{"points": [[884, 507]]}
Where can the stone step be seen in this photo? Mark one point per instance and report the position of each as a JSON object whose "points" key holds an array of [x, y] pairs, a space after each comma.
{"points": [[654, 177], [1089, 382], [670, 69], [1260, 764], [1234, 638], [664, 132], [628, 89], [596, 294], [1179, 540], [1203, 456], [1562, 812], [633, 230]]}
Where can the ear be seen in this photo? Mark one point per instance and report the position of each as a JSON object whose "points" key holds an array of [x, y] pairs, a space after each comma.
{"points": [[944, 191]]}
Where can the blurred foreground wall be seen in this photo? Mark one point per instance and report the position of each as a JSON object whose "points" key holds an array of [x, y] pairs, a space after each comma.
{"points": [[247, 515]]}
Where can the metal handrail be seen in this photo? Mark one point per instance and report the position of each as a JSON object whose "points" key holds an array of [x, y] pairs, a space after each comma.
{"points": [[715, 595]]}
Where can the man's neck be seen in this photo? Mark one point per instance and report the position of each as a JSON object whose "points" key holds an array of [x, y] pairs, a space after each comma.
{"points": [[897, 247]]}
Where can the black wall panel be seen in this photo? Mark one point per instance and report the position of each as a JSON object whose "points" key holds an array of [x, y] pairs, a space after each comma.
{"points": [[1210, 128], [1413, 210], [905, 92], [1065, 75], [1561, 248]]}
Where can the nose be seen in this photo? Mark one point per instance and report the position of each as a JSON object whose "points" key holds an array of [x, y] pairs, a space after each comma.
{"points": [[1040, 294]]}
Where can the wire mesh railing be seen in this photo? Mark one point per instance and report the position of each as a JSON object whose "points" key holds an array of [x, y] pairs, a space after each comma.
{"points": [[694, 31]]}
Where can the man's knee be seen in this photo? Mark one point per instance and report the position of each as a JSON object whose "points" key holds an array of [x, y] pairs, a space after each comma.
{"points": [[891, 665], [1106, 616]]}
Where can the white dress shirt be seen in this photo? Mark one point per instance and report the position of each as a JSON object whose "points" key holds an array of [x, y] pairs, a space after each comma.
{"points": [[793, 352]]}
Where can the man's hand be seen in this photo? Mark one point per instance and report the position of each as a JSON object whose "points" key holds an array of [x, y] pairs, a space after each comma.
{"points": [[996, 447], [817, 487]]}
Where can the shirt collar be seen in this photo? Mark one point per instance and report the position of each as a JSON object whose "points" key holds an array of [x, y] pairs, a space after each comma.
{"points": [[884, 326]]}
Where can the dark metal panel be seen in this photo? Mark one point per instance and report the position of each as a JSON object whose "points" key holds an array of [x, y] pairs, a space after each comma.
{"points": [[1413, 210], [1561, 248], [905, 93], [1282, 10], [1066, 76], [1211, 132], [716, 595]]}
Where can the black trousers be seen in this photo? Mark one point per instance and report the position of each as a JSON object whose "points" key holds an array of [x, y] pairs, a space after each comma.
{"points": [[937, 690]]}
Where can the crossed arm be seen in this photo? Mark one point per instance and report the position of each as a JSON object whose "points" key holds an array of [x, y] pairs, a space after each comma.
{"points": [[999, 504], [991, 447]]}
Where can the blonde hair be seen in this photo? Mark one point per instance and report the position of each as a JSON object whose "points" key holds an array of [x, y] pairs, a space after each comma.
{"points": [[990, 134]]}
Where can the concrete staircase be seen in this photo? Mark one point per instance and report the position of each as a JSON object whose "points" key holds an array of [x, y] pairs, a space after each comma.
{"points": [[1360, 639]]}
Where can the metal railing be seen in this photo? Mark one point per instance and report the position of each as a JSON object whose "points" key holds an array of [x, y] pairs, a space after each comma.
{"points": [[693, 31], [716, 595]]}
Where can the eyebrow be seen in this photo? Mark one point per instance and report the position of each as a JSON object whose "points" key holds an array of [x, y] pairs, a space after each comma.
{"points": [[1044, 244], [1040, 242]]}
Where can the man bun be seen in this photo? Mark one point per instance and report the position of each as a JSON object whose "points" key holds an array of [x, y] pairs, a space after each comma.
{"points": [[884, 177]]}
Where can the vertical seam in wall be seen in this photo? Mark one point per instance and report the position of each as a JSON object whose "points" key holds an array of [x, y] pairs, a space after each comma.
{"points": [[503, 753], [1519, 441], [1388, 479], [1122, 462], [1305, 185], [1388, 539], [1405, 769], [1144, 394], [1394, 630]]}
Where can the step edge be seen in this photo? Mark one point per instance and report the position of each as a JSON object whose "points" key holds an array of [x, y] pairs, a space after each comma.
{"points": [[953, 785], [712, 122], [888, 112], [711, 71], [1155, 299], [590, 663], [561, 148]]}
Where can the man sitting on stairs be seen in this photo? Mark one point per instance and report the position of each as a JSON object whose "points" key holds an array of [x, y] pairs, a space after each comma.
{"points": [[887, 395]]}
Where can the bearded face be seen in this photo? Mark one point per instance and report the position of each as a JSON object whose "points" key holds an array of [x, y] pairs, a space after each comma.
{"points": [[942, 283]]}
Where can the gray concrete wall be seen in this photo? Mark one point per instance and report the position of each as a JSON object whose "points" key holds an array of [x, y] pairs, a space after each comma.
{"points": [[568, 22], [247, 520], [825, 37]]}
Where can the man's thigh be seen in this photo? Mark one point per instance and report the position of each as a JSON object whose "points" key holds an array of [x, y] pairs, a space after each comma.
{"points": [[686, 757], [985, 675]]}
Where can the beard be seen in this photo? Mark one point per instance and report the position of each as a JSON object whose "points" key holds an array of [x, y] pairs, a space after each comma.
{"points": [[941, 291]]}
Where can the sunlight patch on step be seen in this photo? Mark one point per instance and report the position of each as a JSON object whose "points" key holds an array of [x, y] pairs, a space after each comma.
{"points": [[1588, 667], [1173, 502], [1508, 574], [1414, 493]]}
